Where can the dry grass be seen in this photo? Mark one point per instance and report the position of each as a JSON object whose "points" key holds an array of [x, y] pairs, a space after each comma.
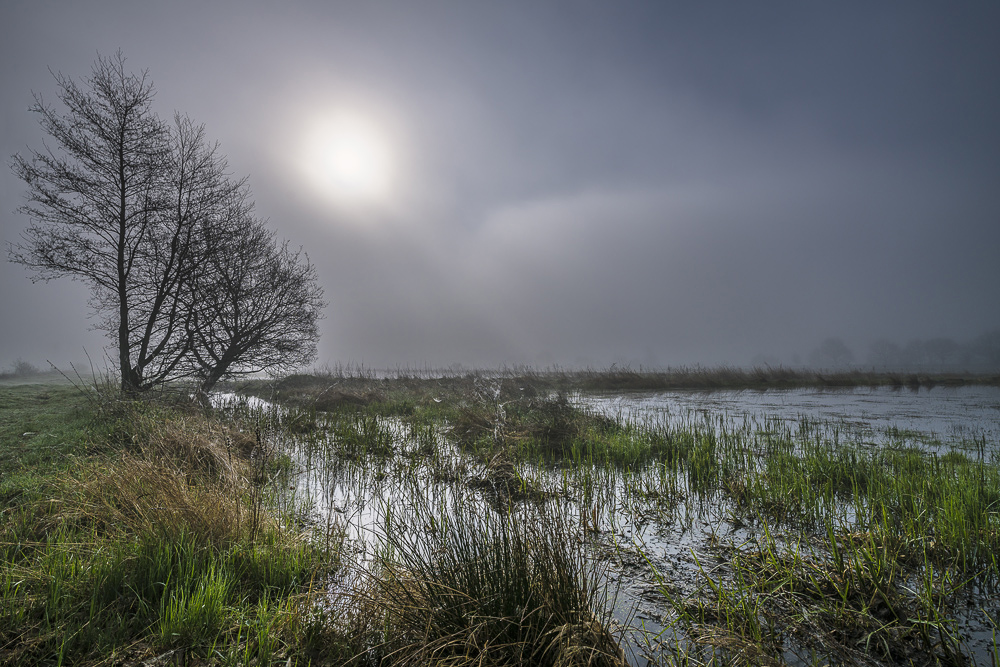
{"points": [[760, 377], [137, 493], [183, 472]]}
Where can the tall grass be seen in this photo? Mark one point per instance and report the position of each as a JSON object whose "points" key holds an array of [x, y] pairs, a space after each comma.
{"points": [[159, 540], [488, 589], [332, 389], [848, 596], [806, 540]]}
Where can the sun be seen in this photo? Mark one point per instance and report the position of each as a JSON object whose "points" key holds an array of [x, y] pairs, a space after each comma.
{"points": [[347, 158]]}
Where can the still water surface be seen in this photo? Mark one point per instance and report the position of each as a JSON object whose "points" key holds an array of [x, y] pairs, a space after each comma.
{"points": [[945, 415]]}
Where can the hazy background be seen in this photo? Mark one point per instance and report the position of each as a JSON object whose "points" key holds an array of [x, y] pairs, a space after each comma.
{"points": [[574, 182]]}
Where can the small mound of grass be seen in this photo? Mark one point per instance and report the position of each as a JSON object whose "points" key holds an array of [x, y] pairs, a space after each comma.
{"points": [[502, 484], [494, 589], [548, 427]]}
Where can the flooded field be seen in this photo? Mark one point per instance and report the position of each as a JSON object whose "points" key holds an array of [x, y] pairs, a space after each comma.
{"points": [[937, 416], [745, 527]]}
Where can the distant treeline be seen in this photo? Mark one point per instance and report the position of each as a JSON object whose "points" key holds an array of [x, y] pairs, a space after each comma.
{"points": [[20, 369], [978, 355]]}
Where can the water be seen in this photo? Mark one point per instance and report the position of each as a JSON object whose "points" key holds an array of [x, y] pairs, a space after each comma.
{"points": [[949, 416], [937, 419]]}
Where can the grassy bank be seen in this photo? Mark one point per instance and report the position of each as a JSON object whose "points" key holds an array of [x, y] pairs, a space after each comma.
{"points": [[135, 531]]}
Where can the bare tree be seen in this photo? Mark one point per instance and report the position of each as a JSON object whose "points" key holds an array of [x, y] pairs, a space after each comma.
{"points": [[93, 198], [254, 304], [197, 195], [184, 277]]}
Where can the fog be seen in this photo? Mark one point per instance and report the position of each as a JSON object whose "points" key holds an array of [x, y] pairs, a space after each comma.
{"points": [[574, 183]]}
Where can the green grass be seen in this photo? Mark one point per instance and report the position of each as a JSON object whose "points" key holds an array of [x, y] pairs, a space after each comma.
{"points": [[42, 427], [877, 541], [131, 529]]}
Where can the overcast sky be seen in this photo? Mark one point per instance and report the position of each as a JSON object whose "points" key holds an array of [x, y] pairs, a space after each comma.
{"points": [[567, 182]]}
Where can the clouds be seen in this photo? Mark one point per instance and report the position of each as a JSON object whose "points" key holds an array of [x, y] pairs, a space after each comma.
{"points": [[584, 181]]}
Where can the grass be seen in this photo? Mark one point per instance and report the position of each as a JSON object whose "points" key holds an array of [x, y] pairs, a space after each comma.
{"points": [[399, 391], [821, 544], [848, 596], [134, 529], [41, 428], [766, 377], [491, 588], [496, 516]]}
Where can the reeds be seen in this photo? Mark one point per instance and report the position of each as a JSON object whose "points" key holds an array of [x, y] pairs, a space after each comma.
{"points": [[364, 387], [502, 504], [849, 550]]}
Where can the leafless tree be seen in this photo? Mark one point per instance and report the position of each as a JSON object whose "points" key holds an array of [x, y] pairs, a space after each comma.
{"points": [[184, 277], [93, 198], [197, 195], [254, 303]]}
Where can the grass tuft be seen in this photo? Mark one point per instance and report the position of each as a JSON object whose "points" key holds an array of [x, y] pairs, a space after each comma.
{"points": [[495, 588]]}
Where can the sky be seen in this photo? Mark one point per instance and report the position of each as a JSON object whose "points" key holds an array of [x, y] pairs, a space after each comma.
{"points": [[566, 183]]}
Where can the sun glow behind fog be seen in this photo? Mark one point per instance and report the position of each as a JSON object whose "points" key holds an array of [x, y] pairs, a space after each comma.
{"points": [[347, 158]]}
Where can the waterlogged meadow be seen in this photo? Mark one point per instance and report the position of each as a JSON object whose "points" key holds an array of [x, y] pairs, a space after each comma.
{"points": [[503, 519]]}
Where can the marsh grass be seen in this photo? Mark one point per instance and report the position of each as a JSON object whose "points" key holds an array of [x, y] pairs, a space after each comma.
{"points": [[487, 589], [150, 529], [822, 547], [333, 388], [878, 541], [547, 428], [850, 597], [760, 377]]}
